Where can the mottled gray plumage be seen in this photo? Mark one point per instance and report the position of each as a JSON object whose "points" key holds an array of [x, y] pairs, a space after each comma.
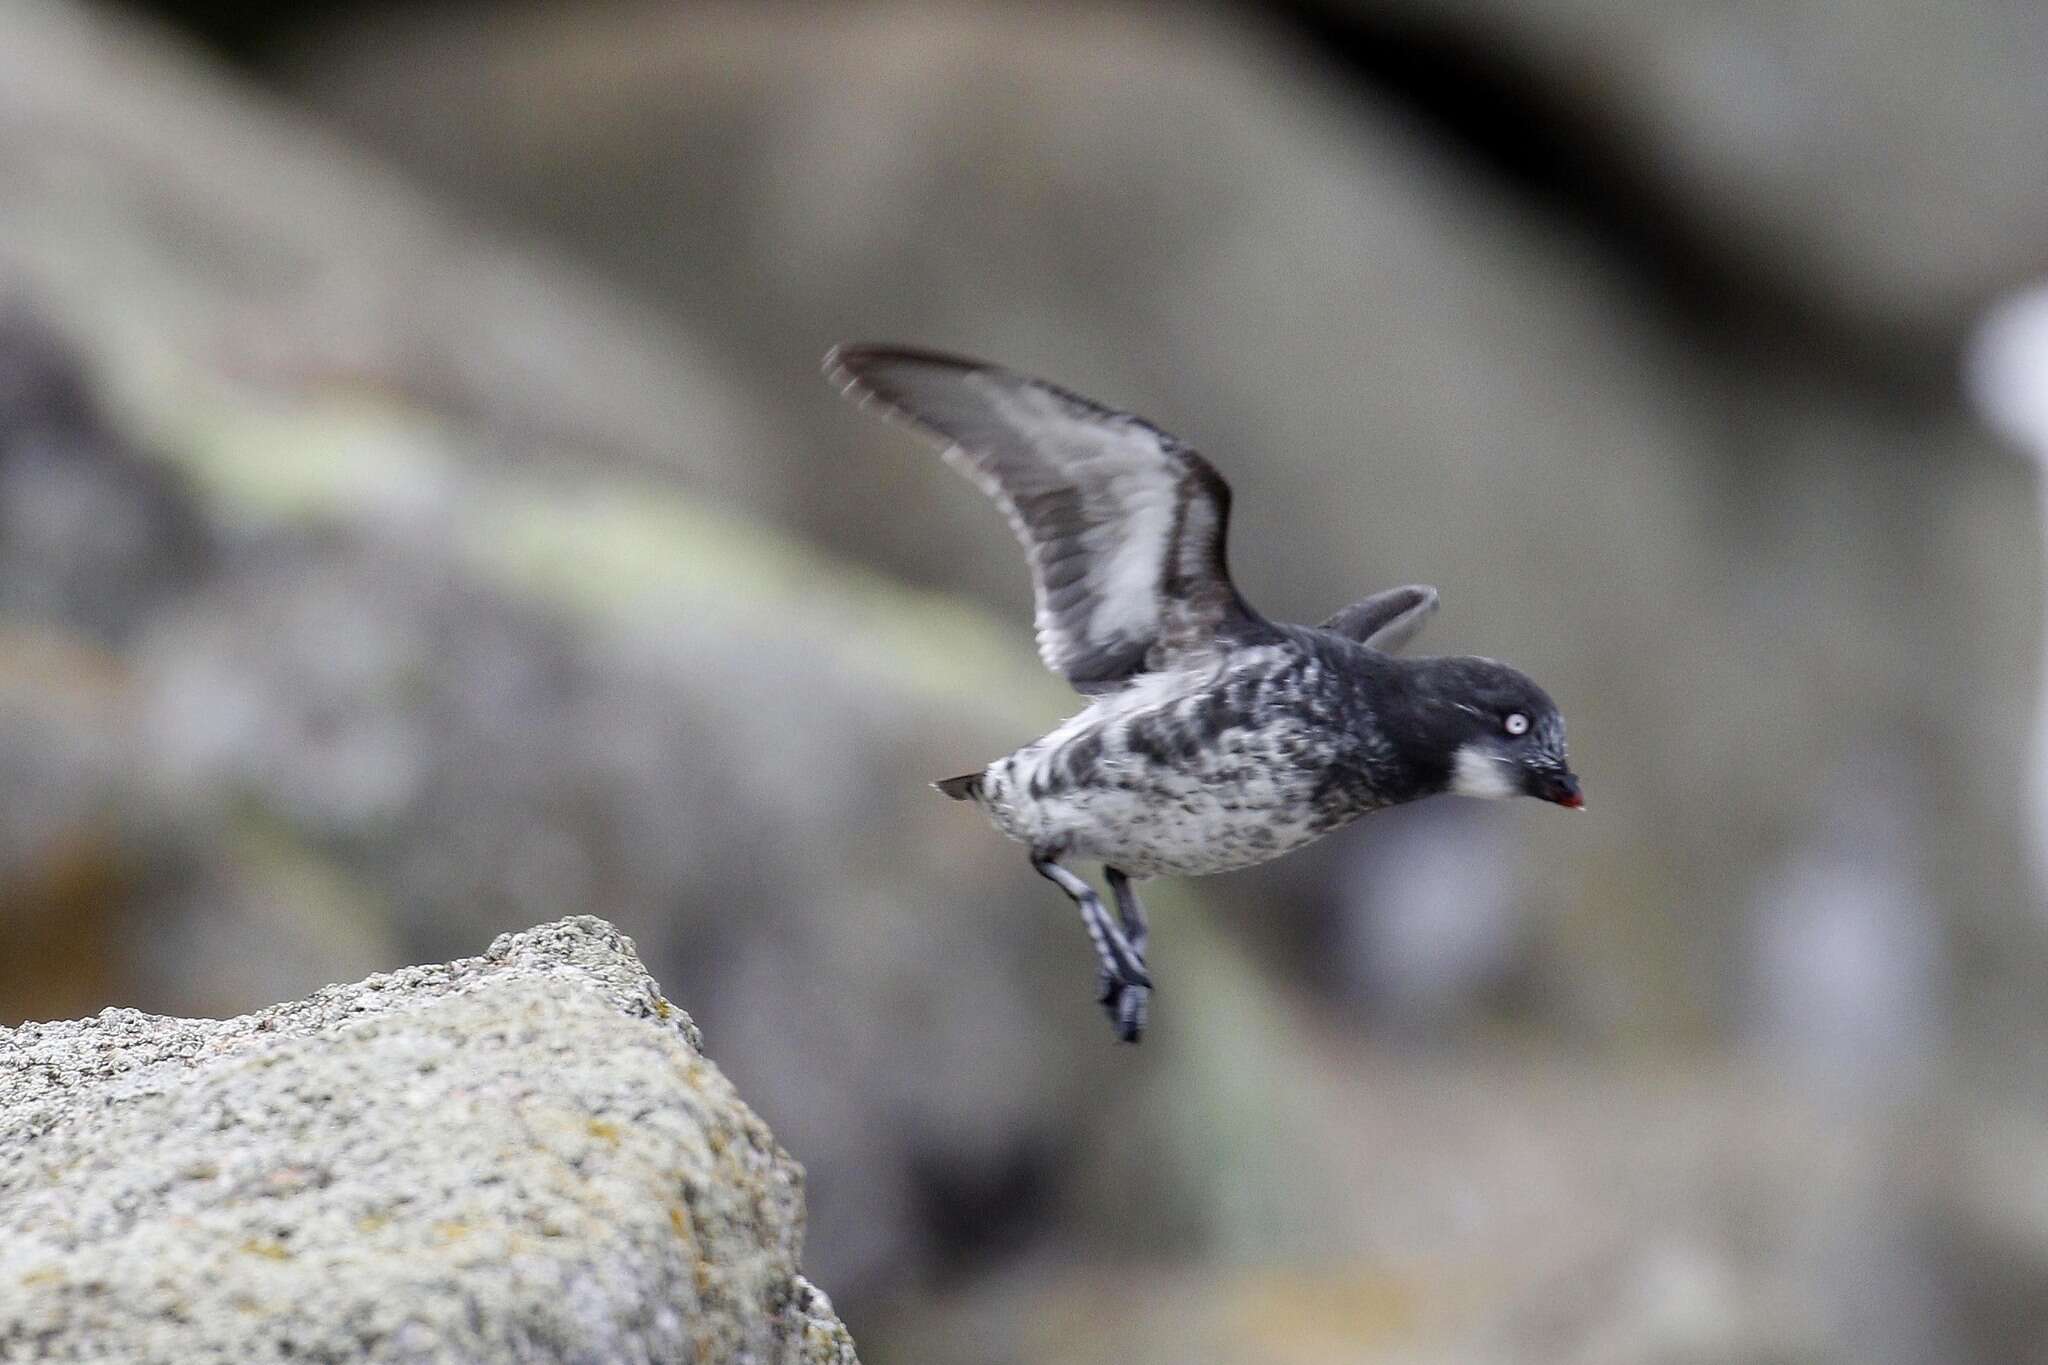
{"points": [[1213, 738]]}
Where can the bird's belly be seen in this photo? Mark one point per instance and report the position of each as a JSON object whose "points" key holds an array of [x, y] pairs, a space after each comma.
{"points": [[1178, 823], [1183, 775], [1199, 835]]}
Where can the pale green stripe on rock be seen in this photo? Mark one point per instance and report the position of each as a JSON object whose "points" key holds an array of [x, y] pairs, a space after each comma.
{"points": [[603, 545]]}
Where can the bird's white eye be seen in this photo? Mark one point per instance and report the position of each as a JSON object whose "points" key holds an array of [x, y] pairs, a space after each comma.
{"points": [[1516, 723]]}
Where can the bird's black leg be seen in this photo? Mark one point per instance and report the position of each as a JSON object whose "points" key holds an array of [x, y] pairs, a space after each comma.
{"points": [[1133, 914], [1122, 965], [1125, 1001]]}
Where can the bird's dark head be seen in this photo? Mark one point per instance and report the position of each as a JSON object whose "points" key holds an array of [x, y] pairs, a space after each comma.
{"points": [[1486, 730]]}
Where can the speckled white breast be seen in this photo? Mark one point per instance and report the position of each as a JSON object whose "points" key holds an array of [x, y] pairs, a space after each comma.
{"points": [[1097, 787], [1174, 828]]}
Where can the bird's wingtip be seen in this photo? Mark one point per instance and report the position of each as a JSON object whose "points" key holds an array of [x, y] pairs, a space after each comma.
{"points": [[843, 370], [839, 362]]}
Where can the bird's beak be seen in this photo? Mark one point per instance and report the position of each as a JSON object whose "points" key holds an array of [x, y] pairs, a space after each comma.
{"points": [[1560, 788]]}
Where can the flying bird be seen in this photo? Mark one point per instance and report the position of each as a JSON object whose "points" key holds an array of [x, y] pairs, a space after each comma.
{"points": [[1213, 738]]}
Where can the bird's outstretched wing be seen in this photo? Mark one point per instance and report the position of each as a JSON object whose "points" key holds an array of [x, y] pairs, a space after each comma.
{"points": [[1124, 526], [1386, 620]]}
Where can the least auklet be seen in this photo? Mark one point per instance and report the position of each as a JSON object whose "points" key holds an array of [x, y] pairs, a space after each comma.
{"points": [[1213, 738]]}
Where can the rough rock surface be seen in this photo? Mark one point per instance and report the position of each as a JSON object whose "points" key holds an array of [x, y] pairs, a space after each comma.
{"points": [[523, 1156]]}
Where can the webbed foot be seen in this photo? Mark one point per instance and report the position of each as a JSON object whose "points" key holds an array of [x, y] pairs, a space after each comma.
{"points": [[1123, 982]]}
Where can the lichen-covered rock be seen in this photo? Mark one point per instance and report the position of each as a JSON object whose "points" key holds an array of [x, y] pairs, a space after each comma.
{"points": [[519, 1157]]}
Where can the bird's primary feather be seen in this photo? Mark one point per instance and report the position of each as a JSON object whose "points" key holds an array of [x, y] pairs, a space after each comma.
{"points": [[1123, 524]]}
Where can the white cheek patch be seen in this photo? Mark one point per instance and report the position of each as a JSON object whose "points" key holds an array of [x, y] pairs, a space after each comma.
{"points": [[1478, 771]]}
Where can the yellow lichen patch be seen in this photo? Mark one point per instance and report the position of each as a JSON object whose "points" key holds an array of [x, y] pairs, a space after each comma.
{"points": [[624, 549], [48, 1275], [269, 1248], [679, 1219], [338, 455], [603, 1131], [1317, 1315], [450, 1231]]}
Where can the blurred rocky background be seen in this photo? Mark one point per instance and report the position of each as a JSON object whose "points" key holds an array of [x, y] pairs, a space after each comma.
{"points": [[420, 516]]}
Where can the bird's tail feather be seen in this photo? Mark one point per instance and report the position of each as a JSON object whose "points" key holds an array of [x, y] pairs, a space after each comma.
{"points": [[966, 787]]}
